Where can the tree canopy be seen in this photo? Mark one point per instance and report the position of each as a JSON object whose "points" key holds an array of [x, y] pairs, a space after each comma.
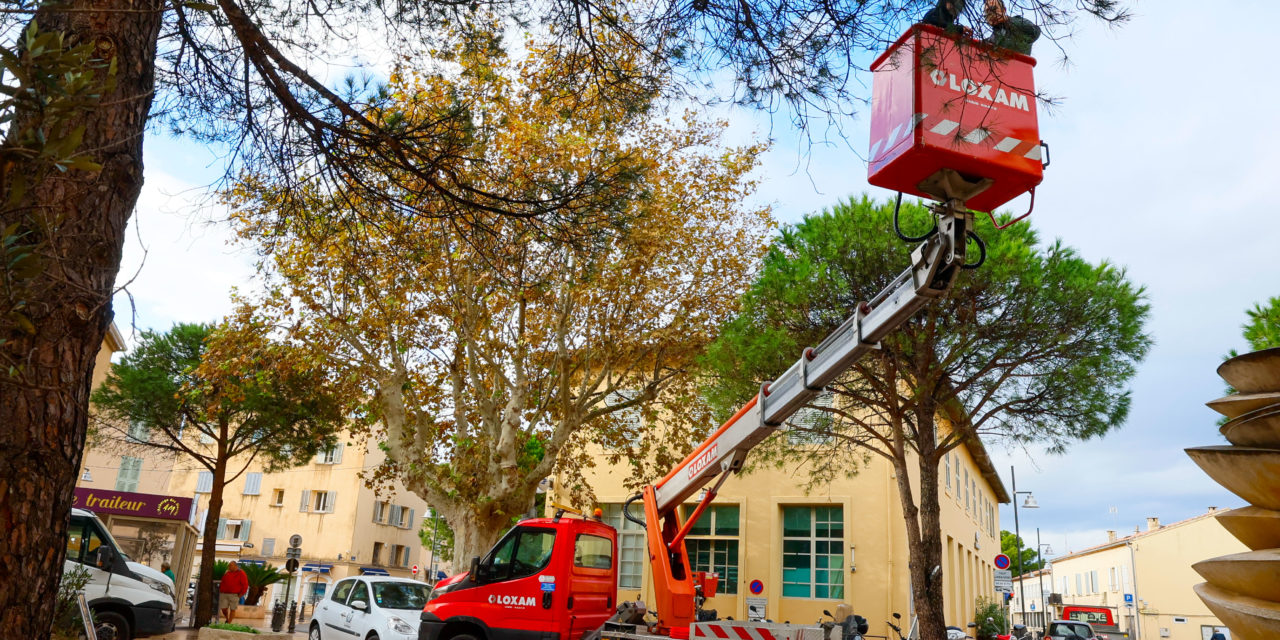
{"points": [[224, 397], [1035, 345], [491, 358], [1013, 546], [1262, 331]]}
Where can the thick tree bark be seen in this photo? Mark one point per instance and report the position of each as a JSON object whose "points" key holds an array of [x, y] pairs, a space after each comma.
{"points": [[473, 534], [43, 412]]}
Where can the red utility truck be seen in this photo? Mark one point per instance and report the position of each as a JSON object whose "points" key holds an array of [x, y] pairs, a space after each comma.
{"points": [[555, 578]]}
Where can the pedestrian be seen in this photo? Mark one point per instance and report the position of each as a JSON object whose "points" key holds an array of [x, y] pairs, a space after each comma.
{"points": [[164, 568], [1217, 635], [235, 584], [944, 14]]}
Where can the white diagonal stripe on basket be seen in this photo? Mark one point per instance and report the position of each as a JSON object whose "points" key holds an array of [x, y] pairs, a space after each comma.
{"points": [[945, 127], [1008, 144]]}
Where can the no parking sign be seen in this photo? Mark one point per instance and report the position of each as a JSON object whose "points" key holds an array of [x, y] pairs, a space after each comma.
{"points": [[1002, 561]]}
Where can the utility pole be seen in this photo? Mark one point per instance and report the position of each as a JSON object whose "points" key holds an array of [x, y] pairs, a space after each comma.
{"points": [[435, 535]]}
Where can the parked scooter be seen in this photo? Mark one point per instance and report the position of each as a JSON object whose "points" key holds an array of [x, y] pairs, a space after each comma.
{"points": [[852, 627]]}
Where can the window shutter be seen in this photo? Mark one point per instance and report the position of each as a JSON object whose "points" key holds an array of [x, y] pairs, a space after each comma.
{"points": [[222, 528], [244, 529], [337, 452], [253, 484], [394, 519], [204, 482], [333, 497], [306, 498], [410, 524]]}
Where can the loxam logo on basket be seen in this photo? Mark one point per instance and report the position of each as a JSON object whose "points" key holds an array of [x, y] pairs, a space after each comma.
{"points": [[519, 601], [1009, 98]]}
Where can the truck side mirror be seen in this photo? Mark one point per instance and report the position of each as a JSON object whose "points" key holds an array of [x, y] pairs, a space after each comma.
{"points": [[106, 557], [473, 573]]}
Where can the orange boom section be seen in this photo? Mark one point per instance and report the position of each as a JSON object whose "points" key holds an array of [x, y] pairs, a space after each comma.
{"points": [[942, 101]]}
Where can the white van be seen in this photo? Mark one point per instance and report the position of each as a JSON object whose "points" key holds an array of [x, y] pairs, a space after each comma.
{"points": [[134, 600]]}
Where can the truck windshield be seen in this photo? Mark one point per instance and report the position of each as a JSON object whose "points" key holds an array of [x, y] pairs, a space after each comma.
{"points": [[1069, 630], [523, 552]]}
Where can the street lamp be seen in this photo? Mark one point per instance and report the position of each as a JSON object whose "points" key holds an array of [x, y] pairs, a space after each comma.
{"points": [[1017, 536], [1042, 550]]}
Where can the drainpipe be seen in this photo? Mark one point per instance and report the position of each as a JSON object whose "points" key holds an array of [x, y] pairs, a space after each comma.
{"points": [[1137, 613]]}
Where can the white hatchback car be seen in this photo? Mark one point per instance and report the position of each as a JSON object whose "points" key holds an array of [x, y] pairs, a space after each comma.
{"points": [[370, 608]]}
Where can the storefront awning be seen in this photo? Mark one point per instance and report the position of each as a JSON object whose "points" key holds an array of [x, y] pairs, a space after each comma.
{"points": [[373, 571], [317, 567]]}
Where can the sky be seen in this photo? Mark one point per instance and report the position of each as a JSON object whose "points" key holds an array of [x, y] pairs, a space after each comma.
{"points": [[1165, 156]]}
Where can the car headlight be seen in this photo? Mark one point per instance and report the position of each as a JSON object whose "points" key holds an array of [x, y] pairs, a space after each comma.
{"points": [[158, 585], [400, 626], [439, 591]]}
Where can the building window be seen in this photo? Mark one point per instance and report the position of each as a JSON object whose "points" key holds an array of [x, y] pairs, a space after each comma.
{"points": [[380, 511], [277, 498], [812, 424], [377, 554], [318, 501], [713, 544], [138, 432], [332, 455], [813, 552], [948, 472], [957, 466], [399, 555], [406, 518], [631, 551], [253, 483], [268, 547], [130, 471], [628, 421], [204, 482]]}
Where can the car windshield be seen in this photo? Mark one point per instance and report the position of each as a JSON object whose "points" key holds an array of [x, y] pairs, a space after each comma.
{"points": [[399, 595], [1069, 630]]}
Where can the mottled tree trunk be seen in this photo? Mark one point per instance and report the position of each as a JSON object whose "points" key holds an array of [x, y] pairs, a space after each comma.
{"points": [[43, 412], [473, 533]]}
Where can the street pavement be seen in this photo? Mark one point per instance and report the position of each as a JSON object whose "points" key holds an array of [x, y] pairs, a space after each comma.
{"points": [[189, 633]]}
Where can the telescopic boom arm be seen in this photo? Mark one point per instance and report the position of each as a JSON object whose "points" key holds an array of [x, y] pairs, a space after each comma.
{"points": [[934, 266]]}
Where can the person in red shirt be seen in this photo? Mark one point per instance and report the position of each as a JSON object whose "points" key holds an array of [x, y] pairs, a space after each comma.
{"points": [[235, 584]]}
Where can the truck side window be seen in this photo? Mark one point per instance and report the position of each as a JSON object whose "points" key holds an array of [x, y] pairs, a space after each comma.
{"points": [[90, 544], [593, 552], [523, 552], [75, 539]]}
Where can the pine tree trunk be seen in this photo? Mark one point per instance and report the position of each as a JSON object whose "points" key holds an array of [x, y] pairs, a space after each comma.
{"points": [[924, 540], [43, 415], [205, 598]]}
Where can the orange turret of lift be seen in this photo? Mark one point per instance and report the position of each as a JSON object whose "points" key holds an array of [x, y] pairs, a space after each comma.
{"points": [[942, 101]]}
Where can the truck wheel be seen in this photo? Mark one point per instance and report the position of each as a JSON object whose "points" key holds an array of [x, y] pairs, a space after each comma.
{"points": [[113, 623], [463, 636]]}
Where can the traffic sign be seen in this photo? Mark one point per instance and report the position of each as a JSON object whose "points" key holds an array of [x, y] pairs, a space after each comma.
{"points": [[1002, 561], [757, 587], [415, 569], [291, 565], [1004, 580], [295, 540], [1128, 598]]}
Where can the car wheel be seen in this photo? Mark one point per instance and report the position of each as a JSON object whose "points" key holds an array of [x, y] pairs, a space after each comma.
{"points": [[113, 624], [314, 633]]}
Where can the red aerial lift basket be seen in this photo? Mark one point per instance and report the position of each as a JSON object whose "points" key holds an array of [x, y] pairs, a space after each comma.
{"points": [[944, 101]]}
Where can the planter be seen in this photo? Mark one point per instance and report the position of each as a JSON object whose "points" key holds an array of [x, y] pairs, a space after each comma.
{"points": [[223, 634], [1260, 428], [1248, 618], [1252, 573], [1257, 528], [1238, 404], [254, 612], [1252, 474]]}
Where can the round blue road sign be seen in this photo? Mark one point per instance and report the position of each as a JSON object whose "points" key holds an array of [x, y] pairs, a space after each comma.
{"points": [[1002, 561], [757, 587]]}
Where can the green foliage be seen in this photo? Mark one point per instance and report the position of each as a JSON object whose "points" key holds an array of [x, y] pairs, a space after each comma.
{"points": [[1263, 328], [1037, 344], [198, 379], [67, 623], [988, 614], [231, 626], [260, 577], [1012, 546], [219, 570], [438, 530]]}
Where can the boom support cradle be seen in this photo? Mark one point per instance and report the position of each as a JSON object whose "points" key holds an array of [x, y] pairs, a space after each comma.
{"points": [[935, 264]]}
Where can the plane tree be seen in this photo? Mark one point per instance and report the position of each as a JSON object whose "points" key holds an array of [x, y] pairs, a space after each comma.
{"points": [[491, 358], [1036, 345]]}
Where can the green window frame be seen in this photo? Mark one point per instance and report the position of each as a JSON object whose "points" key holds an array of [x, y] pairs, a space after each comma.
{"points": [[713, 544], [813, 552], [631, 552]]}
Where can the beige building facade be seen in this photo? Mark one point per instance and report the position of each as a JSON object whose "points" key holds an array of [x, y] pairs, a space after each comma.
{"points": [[806, 552], [1145, 579]]}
